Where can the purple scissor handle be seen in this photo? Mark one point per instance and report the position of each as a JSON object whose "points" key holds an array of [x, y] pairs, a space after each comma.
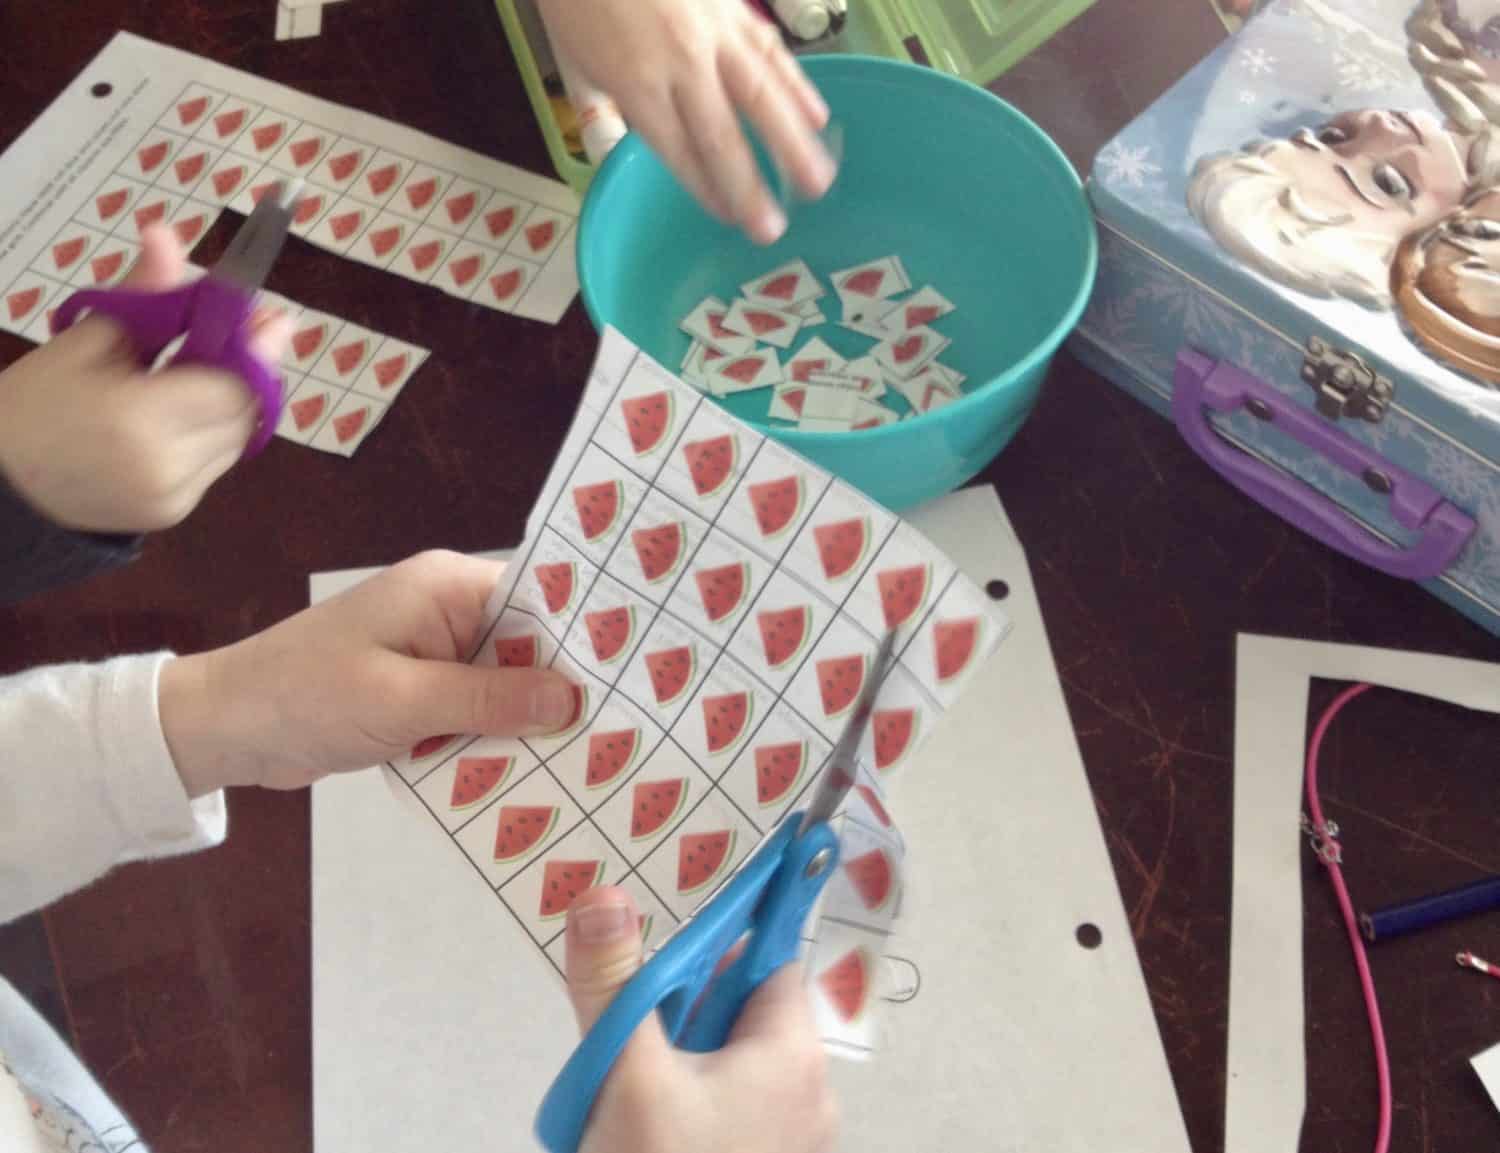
{"points": [[211, 313]]}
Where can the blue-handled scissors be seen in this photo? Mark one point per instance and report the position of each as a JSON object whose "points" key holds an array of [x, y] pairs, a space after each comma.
{"points": [[769, 898], [212, 313]]}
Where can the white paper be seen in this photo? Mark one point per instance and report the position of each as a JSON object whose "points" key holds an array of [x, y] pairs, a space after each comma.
{"points": [[1267, 1081], [1061, 1050], [1487, 1066], [84, 141]]}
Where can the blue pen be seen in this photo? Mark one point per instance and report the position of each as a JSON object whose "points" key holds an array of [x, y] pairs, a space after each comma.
{"points": [[769, 898], [1481, 896]]}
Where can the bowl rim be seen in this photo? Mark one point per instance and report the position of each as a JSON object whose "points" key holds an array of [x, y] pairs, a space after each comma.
{"points": [[1022, 368]]}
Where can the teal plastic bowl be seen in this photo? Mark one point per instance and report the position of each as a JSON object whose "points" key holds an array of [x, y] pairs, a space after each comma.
{"points": [[974, 198]]}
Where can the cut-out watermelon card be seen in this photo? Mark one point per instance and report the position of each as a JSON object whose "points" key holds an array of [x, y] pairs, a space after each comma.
{"points": [[600, 500], [345, 355], [537, 236], [424, 255], [607, 628], [620, 739], [725, 713], [309, 403], [639, 428], [459, 205], [780, 629], [392, 363], [497, 219], [954, 639], [842, 535], [720, 585], [903, 717], [504, 287], [772, 500], [505, 837], [474, 778], [465, 267], [645, 808], [420, 194], [349, 424], [699, 854], [704, 467], [865, 890], [773, 768], [539, 895], [659, 547], [666, 669], [311, 335], [846, 976]]}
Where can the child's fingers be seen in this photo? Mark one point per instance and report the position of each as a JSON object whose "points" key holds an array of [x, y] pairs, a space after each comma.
{"points": [[663, 128], [162, 261], [757, 84], [270, 333], [728, 165], [809, 100]]}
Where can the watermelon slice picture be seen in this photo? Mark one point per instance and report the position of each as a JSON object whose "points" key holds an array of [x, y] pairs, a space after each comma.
{"points": [[894, 730], [610, 754], [522, 828], [424, 749], [903, 592], [776, 504], [726, 719], [518, 652], [842, 545], [557, 582], [874, 804], [610, 631], [778, 768], [839, 682], [647, 419], [653, 805], [710, 463], [671, 672], [563, 882], [701, 857], [784, 633], [870, 874], [476, 778], [722, 589], [846, 984], [954, 644], [598, 507], [659, 550]]}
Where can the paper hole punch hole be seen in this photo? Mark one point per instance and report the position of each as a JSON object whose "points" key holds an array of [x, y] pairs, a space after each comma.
{"points": [[101, 90], [1089, 936], [997, 589]]}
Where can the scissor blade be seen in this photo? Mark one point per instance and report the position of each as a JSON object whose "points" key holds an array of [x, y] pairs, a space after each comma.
{"points": [[838, 775], [253, 251]]}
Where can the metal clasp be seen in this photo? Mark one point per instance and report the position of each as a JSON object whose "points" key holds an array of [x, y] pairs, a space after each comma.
{"points": [[1343, 384], [1324, 841]]}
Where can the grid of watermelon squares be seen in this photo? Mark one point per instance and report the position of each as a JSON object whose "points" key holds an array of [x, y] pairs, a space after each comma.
{"points": [[213, 150], [717, 599]]}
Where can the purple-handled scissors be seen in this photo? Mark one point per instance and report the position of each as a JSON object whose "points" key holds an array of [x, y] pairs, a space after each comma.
{"points": [[212, 312]]}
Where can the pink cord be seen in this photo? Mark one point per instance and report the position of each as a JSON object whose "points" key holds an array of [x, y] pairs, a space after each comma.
{"points": [[1325, 844]]}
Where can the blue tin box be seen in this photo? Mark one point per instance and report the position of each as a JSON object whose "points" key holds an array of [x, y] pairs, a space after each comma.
{"points": [[1299, 264]]}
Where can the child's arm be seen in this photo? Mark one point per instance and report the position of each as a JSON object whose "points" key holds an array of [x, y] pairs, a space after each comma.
{"points": [[102, 764], [95, 450], [683, 72]]}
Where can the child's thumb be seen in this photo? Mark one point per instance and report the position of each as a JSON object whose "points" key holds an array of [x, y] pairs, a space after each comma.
{"points": [[603, 950]]}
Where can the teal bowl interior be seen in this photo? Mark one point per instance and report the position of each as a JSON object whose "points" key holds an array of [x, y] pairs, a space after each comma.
{"points": [[975, 199]]}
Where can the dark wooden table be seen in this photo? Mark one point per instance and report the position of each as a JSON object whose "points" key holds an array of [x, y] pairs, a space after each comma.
{"points": [[186, 984]]}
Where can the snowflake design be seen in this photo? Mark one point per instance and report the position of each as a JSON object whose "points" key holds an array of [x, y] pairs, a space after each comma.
{"points": [[1257, 62], [1461, 477], [1123, 164], [1363, 71]]}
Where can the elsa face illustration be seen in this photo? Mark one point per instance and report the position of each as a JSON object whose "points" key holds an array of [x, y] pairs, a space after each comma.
{"points": [[1324, 209], [1446, 282]]}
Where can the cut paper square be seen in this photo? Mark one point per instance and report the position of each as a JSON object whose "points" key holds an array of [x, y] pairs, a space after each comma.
{"points": [[539, 234], [646, 808], [844, 972], [345, 355], [541, 894], [465, 267], [533, 815], [506, 282], [388, 368], [311, 335], [459, 206], [350, 423], [309, 404], [425, 254], [498, 219], [420, 193]]}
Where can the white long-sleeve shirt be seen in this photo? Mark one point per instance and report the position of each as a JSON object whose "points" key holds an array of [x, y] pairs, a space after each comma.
{"points": [[86, 783]]}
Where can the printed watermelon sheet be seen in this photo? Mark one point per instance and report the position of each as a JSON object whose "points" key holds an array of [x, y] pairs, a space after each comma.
{"points": [[149, 134], [717, 597]]}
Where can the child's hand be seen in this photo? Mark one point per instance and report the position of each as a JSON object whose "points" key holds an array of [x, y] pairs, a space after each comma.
{"points": [[766, 1091], [682, 73], [353, 681], [95, 442]]}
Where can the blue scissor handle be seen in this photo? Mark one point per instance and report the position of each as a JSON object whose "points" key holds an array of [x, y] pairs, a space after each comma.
{"points": [[769, 898]]}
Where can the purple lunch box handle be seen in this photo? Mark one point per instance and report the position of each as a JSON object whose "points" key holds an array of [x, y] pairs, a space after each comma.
{"points": [[1202, 385]]}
